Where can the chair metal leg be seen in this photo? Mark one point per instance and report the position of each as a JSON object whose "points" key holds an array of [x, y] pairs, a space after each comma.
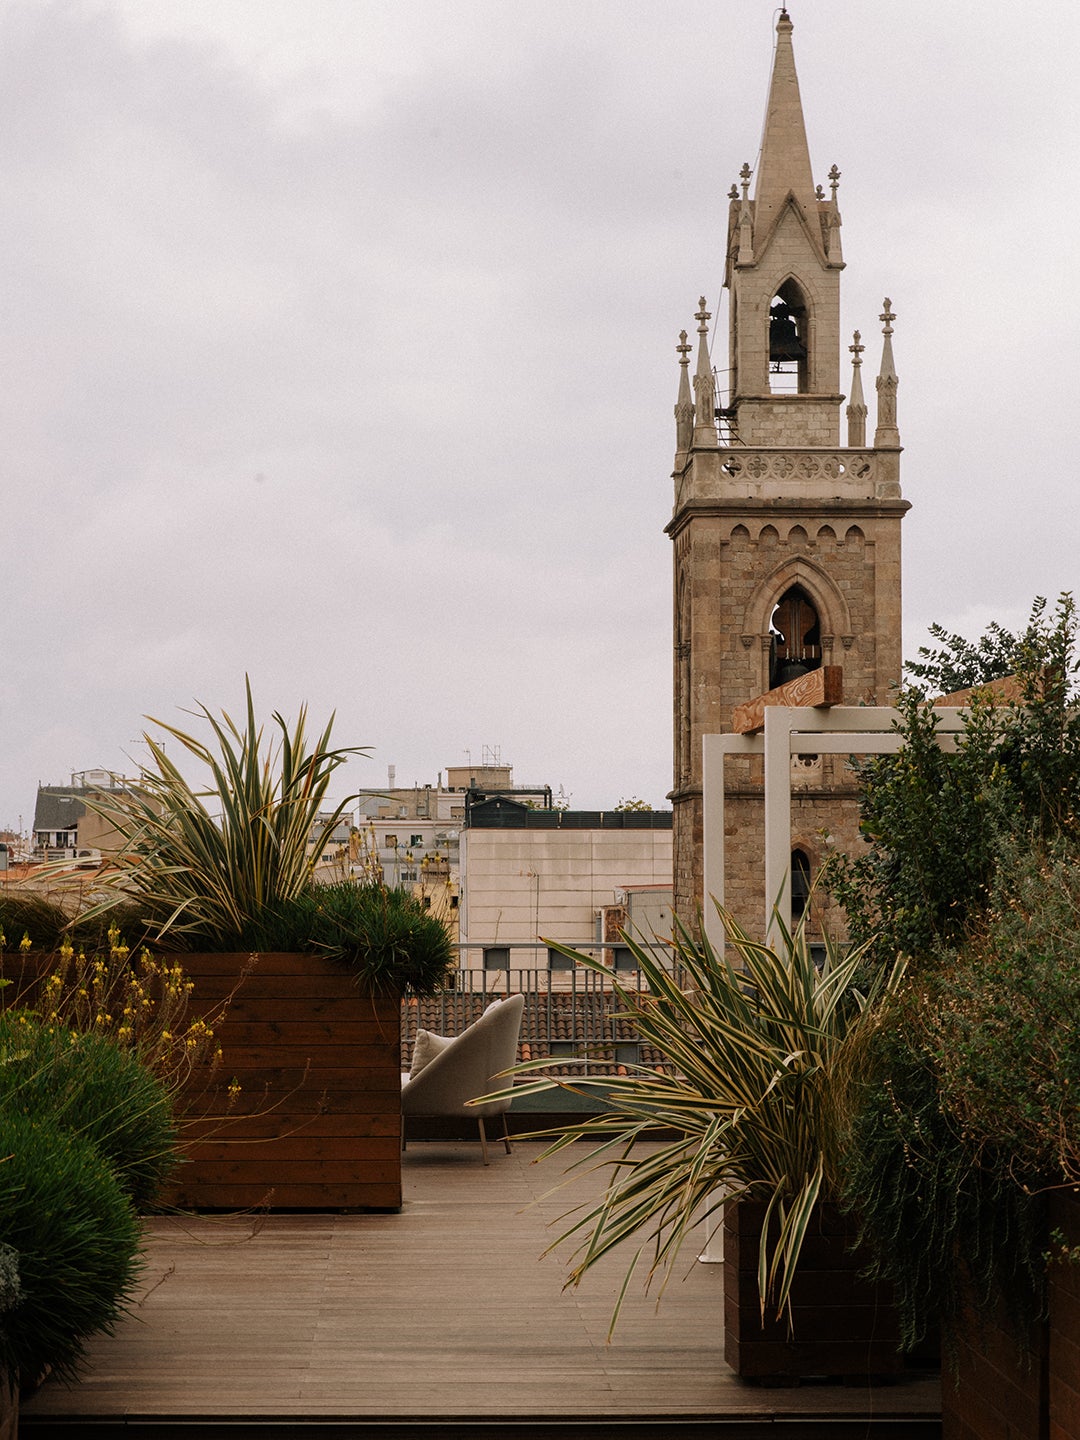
{"points": [[483, 1140], [506, 1134]]}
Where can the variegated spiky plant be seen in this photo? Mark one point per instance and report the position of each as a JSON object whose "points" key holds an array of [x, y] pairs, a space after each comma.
{"points": [[750, 1038], [211, 860]]}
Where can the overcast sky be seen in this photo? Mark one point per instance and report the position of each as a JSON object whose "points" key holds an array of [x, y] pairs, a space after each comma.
{"points": [[338, 341]]}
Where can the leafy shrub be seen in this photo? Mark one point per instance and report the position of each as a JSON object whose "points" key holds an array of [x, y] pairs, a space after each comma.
{"points": [[935, 1211], [1004, 1035], [76, 1235], [24, 913], [385, 936], [936, 823], [88, 1087]]}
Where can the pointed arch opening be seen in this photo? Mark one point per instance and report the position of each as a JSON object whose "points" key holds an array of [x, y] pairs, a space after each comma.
{"points": [[789, 341], [800, 884], [794, 637]]}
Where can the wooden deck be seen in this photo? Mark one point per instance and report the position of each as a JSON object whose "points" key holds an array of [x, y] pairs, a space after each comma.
{"points": [[442, 1319]]}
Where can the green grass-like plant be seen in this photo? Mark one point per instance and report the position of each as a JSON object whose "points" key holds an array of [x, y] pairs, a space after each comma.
{"points": [[76, 1236], [384, 936], [751, 1039], [90, 1088]]}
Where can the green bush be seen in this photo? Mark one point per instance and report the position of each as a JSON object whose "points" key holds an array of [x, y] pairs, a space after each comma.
{"points": [[962, 1096], [76, 1236], [936, 1211], [24, 913], [89, 1087], [936, 823], [384, 936]]}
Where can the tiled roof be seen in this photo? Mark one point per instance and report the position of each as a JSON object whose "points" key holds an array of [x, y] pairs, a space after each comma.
{"points": [[559, 1024]]}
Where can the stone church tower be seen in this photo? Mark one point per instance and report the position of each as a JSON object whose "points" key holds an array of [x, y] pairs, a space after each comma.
{"points": [[786, 542]]}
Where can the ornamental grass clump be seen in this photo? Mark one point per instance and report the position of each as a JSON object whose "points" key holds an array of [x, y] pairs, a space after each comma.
{"points": [[751, 1040], [231, 866], [384, 936], [76, 1236], [90, 1088]]}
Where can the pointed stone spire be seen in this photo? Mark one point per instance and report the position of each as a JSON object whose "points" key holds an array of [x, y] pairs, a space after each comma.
{"points": [[833, 251], [684, 405], [887, 434], [785, 156], [704, 388], [856, 410], [745, 254]]}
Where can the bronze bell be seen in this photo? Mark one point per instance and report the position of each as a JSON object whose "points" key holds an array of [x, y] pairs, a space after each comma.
{"points": [[784, 342]]}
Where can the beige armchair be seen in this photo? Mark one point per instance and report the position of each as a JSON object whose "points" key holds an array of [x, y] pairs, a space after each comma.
{"points": [[449, 1071]]}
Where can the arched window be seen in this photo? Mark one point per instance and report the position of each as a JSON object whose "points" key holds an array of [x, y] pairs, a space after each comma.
{"points": [[800, 884], [789, 349], [795, 629]]}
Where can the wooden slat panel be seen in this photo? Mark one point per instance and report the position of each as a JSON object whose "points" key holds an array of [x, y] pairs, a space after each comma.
{"points": [[293, 1056]]}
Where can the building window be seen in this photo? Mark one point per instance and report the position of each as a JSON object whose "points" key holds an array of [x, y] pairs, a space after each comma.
{"points": [[800, 884], [390, 842]]}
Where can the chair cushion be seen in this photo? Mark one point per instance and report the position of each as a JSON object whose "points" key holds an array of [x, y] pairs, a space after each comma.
{"points": [[427, 1046]]}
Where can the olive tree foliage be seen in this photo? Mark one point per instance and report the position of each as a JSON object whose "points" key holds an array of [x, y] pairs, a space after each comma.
{"points": [[938, 823]]}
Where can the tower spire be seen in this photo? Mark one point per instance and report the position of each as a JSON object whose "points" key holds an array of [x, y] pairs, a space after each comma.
{"points": [[684, 405], [784, 167], [856, 410], [887, 434], [704, 388]]}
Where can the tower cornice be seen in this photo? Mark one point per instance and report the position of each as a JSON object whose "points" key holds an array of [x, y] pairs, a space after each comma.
{"points": [[742, 508]]}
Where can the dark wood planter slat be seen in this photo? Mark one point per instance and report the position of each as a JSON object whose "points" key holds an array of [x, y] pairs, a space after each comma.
{"points": [[317, 1122], [295, 1071], [1010, 1386], [843, 1325]]}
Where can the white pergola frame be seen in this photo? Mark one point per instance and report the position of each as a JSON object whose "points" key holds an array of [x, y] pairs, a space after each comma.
{"points": [[791, 730]]}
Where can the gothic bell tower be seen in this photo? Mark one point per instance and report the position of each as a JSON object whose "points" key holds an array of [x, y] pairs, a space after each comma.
{"points": [[786, 540]]}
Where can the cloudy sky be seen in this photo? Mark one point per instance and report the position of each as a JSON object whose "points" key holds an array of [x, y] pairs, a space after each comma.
{"points": [[338, 342]]}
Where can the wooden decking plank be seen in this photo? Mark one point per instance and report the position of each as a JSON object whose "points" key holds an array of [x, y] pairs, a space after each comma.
{"points": [[444, 1310]]}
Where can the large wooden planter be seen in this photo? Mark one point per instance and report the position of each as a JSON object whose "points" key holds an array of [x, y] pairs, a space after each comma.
{"points": [[1008, 1386], [843, 1326], [316, 1124], [9, 1411]]}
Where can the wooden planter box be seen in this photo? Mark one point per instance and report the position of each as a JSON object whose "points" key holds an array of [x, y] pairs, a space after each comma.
{"points": [[844, 1326], [1009, 1386], [317, 1121]]}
